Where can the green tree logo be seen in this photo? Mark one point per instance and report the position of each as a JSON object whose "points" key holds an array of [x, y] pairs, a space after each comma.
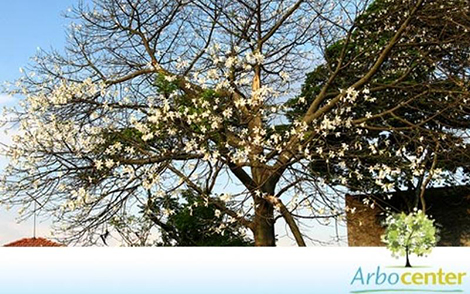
{"points": [[410, 233]]}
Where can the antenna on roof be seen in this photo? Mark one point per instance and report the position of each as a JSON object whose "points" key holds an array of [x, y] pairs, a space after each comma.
{"points": [[34, 219], [34, 213]]}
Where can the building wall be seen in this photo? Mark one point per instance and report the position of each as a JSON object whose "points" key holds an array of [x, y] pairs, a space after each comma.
{"points": [[364, 225]]}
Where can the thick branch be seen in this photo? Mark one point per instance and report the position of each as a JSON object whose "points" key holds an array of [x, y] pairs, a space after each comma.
{"points": [[289, 220]]}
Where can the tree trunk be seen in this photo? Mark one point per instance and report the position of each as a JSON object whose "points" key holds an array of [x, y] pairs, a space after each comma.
{"points": [[264, 224], [407, 258]]}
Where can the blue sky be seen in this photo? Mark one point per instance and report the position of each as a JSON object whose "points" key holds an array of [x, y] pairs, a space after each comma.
{"points": [[26, 25]]}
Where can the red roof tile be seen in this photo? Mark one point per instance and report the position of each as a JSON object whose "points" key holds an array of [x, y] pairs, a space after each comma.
{"points": [[34, 242]]}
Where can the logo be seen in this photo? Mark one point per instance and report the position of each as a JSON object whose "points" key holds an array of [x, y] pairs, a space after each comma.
{"points": [[407, 234], [404, 280]]}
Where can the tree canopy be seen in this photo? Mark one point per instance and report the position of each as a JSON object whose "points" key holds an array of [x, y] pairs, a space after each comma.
{"points": [[415, 92], [152, 98], [189, 221]]}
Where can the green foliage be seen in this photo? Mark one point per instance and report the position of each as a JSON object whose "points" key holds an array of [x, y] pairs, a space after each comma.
{"points": [[195, 223], [209, 95], [406, 73], [410, 233], [164, 86]]}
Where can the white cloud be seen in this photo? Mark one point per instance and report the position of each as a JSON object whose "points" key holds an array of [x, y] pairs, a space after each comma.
{"points": [[6, 99], [5, 137]]}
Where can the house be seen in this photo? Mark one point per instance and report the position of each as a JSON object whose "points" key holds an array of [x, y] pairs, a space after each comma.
{"points": [[34, 242]]}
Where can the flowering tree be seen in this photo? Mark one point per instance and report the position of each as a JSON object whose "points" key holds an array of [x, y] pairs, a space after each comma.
{"points": [[412, 76], [155, 97], [410, 233]]}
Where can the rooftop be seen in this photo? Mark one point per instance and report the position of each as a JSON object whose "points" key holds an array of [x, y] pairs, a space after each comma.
{"points": [[34, 242]]}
